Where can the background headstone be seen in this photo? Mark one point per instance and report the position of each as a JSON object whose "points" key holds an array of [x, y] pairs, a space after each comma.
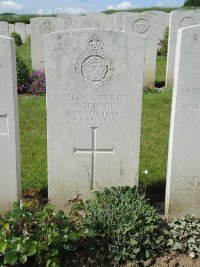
{"points": [[70, 20], [94, 102], [119, 20], [162, 23], [145, 25], [28, 30], [178, 20], [4, 28], [11, 28], [183, 175], [40, 27], [99, 21], [10, 186], [20, 28]]}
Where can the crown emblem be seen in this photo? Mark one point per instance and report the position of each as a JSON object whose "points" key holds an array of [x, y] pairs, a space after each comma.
{"points": [[94, 43]]}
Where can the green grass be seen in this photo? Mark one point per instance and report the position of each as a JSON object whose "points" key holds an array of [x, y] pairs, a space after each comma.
{"points": [[25, 52], [32, 112], [154, 136], [161, 70]]}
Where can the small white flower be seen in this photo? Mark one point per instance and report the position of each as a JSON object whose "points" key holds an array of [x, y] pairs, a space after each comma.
{"points": [[145, 172]]}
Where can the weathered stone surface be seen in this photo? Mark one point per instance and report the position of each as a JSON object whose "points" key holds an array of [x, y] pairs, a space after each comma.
{"points": [[178, 20], [119, 20], [145, 25], [70, 20], [10, 190], [28, 30], [11, 28], [40, 27], [4, 29], [162, 22], [183, 175], [20, 28], [97, 21], [94, 102]]}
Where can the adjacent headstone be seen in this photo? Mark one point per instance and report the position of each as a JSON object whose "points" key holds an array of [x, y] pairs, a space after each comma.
{"points": [[28, 30], [11, 28], [4, 28], [178, 20], [162, 21], [145, 25], [20, 28], [98, 21], [183, 174], [119, 20], [40, 27], [70, 20], [10, 186], [94, 102]]}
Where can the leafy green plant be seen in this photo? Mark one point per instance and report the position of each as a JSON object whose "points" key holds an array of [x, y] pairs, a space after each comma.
{"points": [[125, 225], [37, 233], [162, 51], [23, 79], [185, 235], [16, 36]]}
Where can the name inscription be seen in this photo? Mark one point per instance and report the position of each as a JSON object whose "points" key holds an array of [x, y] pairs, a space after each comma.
{"points": [[190, 186], [95, 108]]}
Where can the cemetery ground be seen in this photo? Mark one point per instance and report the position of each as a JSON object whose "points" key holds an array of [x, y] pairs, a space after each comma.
{"points": [[152, 172]]}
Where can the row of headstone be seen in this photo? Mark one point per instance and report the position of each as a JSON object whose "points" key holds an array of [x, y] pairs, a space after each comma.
{"points": [[22, 29], [144, 24], [94, 116]]}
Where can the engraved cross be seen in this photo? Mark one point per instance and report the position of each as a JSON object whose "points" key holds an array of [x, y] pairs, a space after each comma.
{"points": [[93, 151]]}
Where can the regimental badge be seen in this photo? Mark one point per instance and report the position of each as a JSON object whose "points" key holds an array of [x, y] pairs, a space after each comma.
{"points": [[94, 68], [47, 27]]}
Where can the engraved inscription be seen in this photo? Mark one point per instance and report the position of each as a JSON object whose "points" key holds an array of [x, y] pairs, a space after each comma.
{"points": [[4, 125], [93, 151], [94, 108], [190, 186], [94, 68], [141, 26], [190, 107], [47, 27], [187, 21]]}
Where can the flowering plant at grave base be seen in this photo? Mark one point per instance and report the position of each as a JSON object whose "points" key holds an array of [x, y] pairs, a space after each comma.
{"points": [[38, 83]]}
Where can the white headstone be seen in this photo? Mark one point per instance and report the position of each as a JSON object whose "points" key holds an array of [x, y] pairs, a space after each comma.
{"points": [[10, 186], [94, 102], [28, 30], [162, 21], [20, 28], [119, 20], [99, 21], [11, 28], [183, 175], [145, 25], [70, 20], [40, 27], [4, 28], [178, 20]]}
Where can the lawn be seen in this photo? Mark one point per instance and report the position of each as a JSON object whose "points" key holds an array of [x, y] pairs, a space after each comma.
{"points": [[154, 137]]}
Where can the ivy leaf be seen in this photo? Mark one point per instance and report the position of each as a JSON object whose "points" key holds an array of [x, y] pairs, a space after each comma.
{"points": [[10, 258], [3, 246], [23, 259]]}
